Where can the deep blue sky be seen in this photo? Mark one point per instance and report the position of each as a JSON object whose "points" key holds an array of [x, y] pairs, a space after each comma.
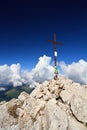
{"points": [[25, 27]]}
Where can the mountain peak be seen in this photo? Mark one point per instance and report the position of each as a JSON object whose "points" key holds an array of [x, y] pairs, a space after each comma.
{"points": [[53, 105]]}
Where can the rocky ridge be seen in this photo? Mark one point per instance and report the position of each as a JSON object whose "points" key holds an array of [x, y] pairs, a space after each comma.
{"points": [[53, 105]]}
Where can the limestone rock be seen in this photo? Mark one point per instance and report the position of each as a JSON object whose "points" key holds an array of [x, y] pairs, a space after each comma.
{"points": [[79, 108], [6, 119], [53, 105], [23, 96], [56, 118], [75, 125]]}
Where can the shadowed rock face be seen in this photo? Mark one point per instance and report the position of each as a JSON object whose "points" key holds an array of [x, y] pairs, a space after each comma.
{"points": [[54, 105]]}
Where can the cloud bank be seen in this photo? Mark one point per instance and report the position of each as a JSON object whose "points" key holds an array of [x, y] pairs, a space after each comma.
{"points": [[76, 71], [13, 75]]}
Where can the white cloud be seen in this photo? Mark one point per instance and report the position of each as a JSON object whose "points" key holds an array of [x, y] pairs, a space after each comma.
{"points": [[76, 71], [43, 70], [15, 76], [2, 89]]}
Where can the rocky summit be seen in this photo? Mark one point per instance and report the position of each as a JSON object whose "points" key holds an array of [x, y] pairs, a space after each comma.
{"points": [[53, 105]]}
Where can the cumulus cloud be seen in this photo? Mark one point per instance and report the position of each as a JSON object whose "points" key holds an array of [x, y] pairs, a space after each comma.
{"points": [[13, 75], [76, 71], [2, 89]]}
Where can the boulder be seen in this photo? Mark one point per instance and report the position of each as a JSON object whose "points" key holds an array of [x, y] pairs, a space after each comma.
{"points": [[79, 108]]}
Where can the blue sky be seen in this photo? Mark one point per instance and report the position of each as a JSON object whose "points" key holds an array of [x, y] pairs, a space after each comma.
{"points": [[25, 27]]}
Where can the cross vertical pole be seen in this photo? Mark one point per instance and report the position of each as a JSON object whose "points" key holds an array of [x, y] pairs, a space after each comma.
{"points": [[55, 59], [55, 56]]}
